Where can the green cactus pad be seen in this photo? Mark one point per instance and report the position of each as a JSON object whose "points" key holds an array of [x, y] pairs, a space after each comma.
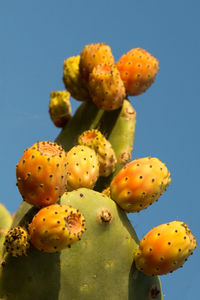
{"points": [[99, 266]]}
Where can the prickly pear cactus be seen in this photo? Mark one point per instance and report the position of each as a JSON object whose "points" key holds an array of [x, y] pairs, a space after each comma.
{"points": [[102, 259], [83, 247]]}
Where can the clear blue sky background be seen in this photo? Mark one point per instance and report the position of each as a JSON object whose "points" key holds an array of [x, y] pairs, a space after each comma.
{"points": [[36, 37]]}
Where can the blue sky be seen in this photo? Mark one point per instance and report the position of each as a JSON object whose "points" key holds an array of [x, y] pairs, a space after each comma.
{"points": [[36, 37]]}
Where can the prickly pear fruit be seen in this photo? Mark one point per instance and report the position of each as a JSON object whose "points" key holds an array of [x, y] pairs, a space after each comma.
{"points": [[56, 227], [138, 69], [103, 258], [72, 79], [140, 183], [5, 223], [41, 173], [82, 167], [106, 87], [106, 155], [165, 248], [106, 191], [17, 241], [60, 108], [93, 55]]}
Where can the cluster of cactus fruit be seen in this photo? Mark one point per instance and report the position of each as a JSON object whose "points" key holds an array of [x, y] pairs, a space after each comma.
{"points": [[86, 179]]}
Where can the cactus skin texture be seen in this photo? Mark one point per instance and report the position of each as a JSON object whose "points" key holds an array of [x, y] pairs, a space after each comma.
{"points": [[82, 168], [93, 55], [56, 227], [41, 173], [17, 241], [165, 248], [106, 87], [138, 69], [140, 183], [103, 148], [76, 273], [60, 108], [5, 223], [72, 79]]}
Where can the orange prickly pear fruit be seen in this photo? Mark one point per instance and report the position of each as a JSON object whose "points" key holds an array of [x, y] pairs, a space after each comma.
{"points": [[17, 241], [93, 55], [42, 173], [60, 108], [138, 69], [56, 227], [106, 87], [165, 248], [140, 183], [72, 79], [82, 168], [103, 148]]}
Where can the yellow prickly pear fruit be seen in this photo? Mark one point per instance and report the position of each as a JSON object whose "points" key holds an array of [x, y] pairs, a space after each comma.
{"points": [[103, 148], [60, 108], [165, 248], [140, 183], [106, 192], [17, 241], [56, 227], [91, 56], [82, 168], [138, 69], [72, 79], [106, 87]]}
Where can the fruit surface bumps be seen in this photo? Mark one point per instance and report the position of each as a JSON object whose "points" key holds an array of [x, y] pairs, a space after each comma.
{"points": [[72, 79], [140, 183], [60, 108], [106, 87], [56, 227], [138, 69], [165, 248], [99, 266], [41, 173], [17, 241], [106, 155], [5, 223], [82, 168], [93, 55]]}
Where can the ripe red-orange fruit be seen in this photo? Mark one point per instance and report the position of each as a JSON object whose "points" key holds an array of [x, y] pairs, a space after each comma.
{"points": [[140, 183], [42, 173], [106, 87], [93, 55], [138, 69]]}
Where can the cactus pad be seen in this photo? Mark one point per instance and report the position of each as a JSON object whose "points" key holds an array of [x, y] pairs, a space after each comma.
{"points": [[100, 266]]}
